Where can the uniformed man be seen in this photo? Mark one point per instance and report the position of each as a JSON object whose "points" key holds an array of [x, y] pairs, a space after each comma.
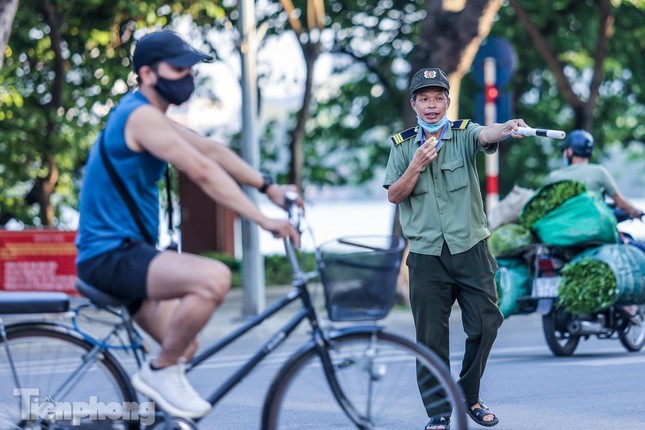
{"points": [[432, 175]]}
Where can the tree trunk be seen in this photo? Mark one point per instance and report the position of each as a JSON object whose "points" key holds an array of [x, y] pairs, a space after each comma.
{"points": [[8, 10], [311, 51]]}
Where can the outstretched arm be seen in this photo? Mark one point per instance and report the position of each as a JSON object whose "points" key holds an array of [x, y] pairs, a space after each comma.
{"points": [[498, 132]]}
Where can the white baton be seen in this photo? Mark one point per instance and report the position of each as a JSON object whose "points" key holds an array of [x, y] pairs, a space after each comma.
{"points": [[528, 131]]}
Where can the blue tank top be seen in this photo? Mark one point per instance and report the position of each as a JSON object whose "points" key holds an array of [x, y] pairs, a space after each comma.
{"points": [[105, 221]]}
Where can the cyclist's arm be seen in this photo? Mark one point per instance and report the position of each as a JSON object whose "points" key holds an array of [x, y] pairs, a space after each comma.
{"points": [[234, 165], [148, 129], [222, 155]]}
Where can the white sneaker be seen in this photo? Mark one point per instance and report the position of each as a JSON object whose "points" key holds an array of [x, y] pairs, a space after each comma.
{"points": [[170, 388]]}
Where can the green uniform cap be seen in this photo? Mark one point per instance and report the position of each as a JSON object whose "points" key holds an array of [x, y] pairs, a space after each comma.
{"points": [[433, 77]]}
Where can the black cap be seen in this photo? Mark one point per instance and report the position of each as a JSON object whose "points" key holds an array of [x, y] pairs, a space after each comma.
{"points": [[432, 77], [166, 46]]}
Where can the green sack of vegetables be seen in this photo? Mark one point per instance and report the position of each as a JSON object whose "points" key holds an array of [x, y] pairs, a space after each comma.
{"points": [[580, 219], [602, 276], [512, 280], [547, 198], [509, 238]]}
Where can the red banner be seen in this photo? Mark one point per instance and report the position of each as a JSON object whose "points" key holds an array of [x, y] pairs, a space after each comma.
{"points": [[37, 260]]}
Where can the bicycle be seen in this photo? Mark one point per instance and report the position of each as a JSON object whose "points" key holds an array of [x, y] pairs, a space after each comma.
{"points": [[350, 377]]}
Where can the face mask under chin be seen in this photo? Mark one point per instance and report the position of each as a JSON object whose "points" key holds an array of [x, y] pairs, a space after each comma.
{"points": [[175, 91]]}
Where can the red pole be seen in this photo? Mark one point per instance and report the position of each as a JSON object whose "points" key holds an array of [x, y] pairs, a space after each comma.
{"points": [[490, 117]]}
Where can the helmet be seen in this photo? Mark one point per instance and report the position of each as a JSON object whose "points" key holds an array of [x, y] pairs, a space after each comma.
{"points": [[580, 142]]}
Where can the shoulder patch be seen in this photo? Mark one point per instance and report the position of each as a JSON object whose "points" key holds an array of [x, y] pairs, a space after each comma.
{"points": [[460, 124], [403, 136]]}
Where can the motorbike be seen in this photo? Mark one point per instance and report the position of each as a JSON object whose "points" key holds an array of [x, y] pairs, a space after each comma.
{"points": [[562, 330]]}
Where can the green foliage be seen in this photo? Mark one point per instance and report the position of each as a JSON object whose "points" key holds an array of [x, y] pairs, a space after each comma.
{"points": [[276, 267], [548, 198], [509, 238], [278, 271], [587, 286], [373, 44], [354, 114], [570, 28]]}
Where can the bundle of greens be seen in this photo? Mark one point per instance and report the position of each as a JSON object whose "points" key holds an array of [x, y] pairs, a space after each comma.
{"points": [[548, 198], [509, 238], [587, 286]]}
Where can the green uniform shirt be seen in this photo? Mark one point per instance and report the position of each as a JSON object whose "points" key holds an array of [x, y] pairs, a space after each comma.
{"points": [[594, 176], [446, 203]]}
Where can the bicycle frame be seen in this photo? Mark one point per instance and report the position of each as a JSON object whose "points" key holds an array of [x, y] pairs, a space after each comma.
{"points": [[307, 312], [320, 341]]}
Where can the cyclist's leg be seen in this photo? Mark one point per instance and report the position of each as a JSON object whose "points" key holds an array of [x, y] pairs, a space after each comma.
{"points": [[154, 318], [199, 283]]}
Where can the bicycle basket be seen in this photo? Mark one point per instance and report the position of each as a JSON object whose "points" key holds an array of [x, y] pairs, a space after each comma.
{"points": [[359, 276]]}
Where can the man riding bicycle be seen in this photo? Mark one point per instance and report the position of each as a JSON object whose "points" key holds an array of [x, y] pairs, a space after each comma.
{"points": [[170, 295]]}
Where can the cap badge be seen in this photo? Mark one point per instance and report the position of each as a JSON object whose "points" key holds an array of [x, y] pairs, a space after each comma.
{"points": [[430, 74]]}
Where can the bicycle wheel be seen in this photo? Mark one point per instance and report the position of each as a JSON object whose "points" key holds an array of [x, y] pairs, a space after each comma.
{"points": [[45, 356], [377, 372]]}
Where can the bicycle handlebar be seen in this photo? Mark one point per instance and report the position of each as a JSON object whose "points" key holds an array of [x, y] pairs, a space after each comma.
{"points": [[290, 199], [294, 215]]}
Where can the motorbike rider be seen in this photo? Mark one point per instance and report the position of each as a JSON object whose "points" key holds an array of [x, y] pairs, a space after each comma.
{"points": [[577, 150]]}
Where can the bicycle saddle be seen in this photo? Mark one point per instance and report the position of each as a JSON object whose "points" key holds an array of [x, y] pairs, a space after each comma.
{"points": [[98, 297]]}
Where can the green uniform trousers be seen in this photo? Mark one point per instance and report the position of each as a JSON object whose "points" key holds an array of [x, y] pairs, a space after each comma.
{"points": [[435, 283]]}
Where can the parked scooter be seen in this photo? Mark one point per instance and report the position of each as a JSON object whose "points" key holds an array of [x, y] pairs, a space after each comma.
{"points": [[563, 330]]}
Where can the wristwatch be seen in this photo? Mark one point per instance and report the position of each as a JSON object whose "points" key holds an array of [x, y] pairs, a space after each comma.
{"points": [[268, 181]]}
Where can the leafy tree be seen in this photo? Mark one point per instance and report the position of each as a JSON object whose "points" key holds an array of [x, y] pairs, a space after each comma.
{"points": [[380, 44], [578, 63], [66, 65]]}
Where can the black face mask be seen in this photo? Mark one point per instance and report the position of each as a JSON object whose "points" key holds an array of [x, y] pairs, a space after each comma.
{"points": [[175, 91]]}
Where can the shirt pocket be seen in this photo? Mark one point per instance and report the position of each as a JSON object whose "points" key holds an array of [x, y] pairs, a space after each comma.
{"points": [[423, 184], [455, 173]]}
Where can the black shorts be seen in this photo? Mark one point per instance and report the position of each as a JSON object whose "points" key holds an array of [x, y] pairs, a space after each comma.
{"points": [[122, 272]]}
